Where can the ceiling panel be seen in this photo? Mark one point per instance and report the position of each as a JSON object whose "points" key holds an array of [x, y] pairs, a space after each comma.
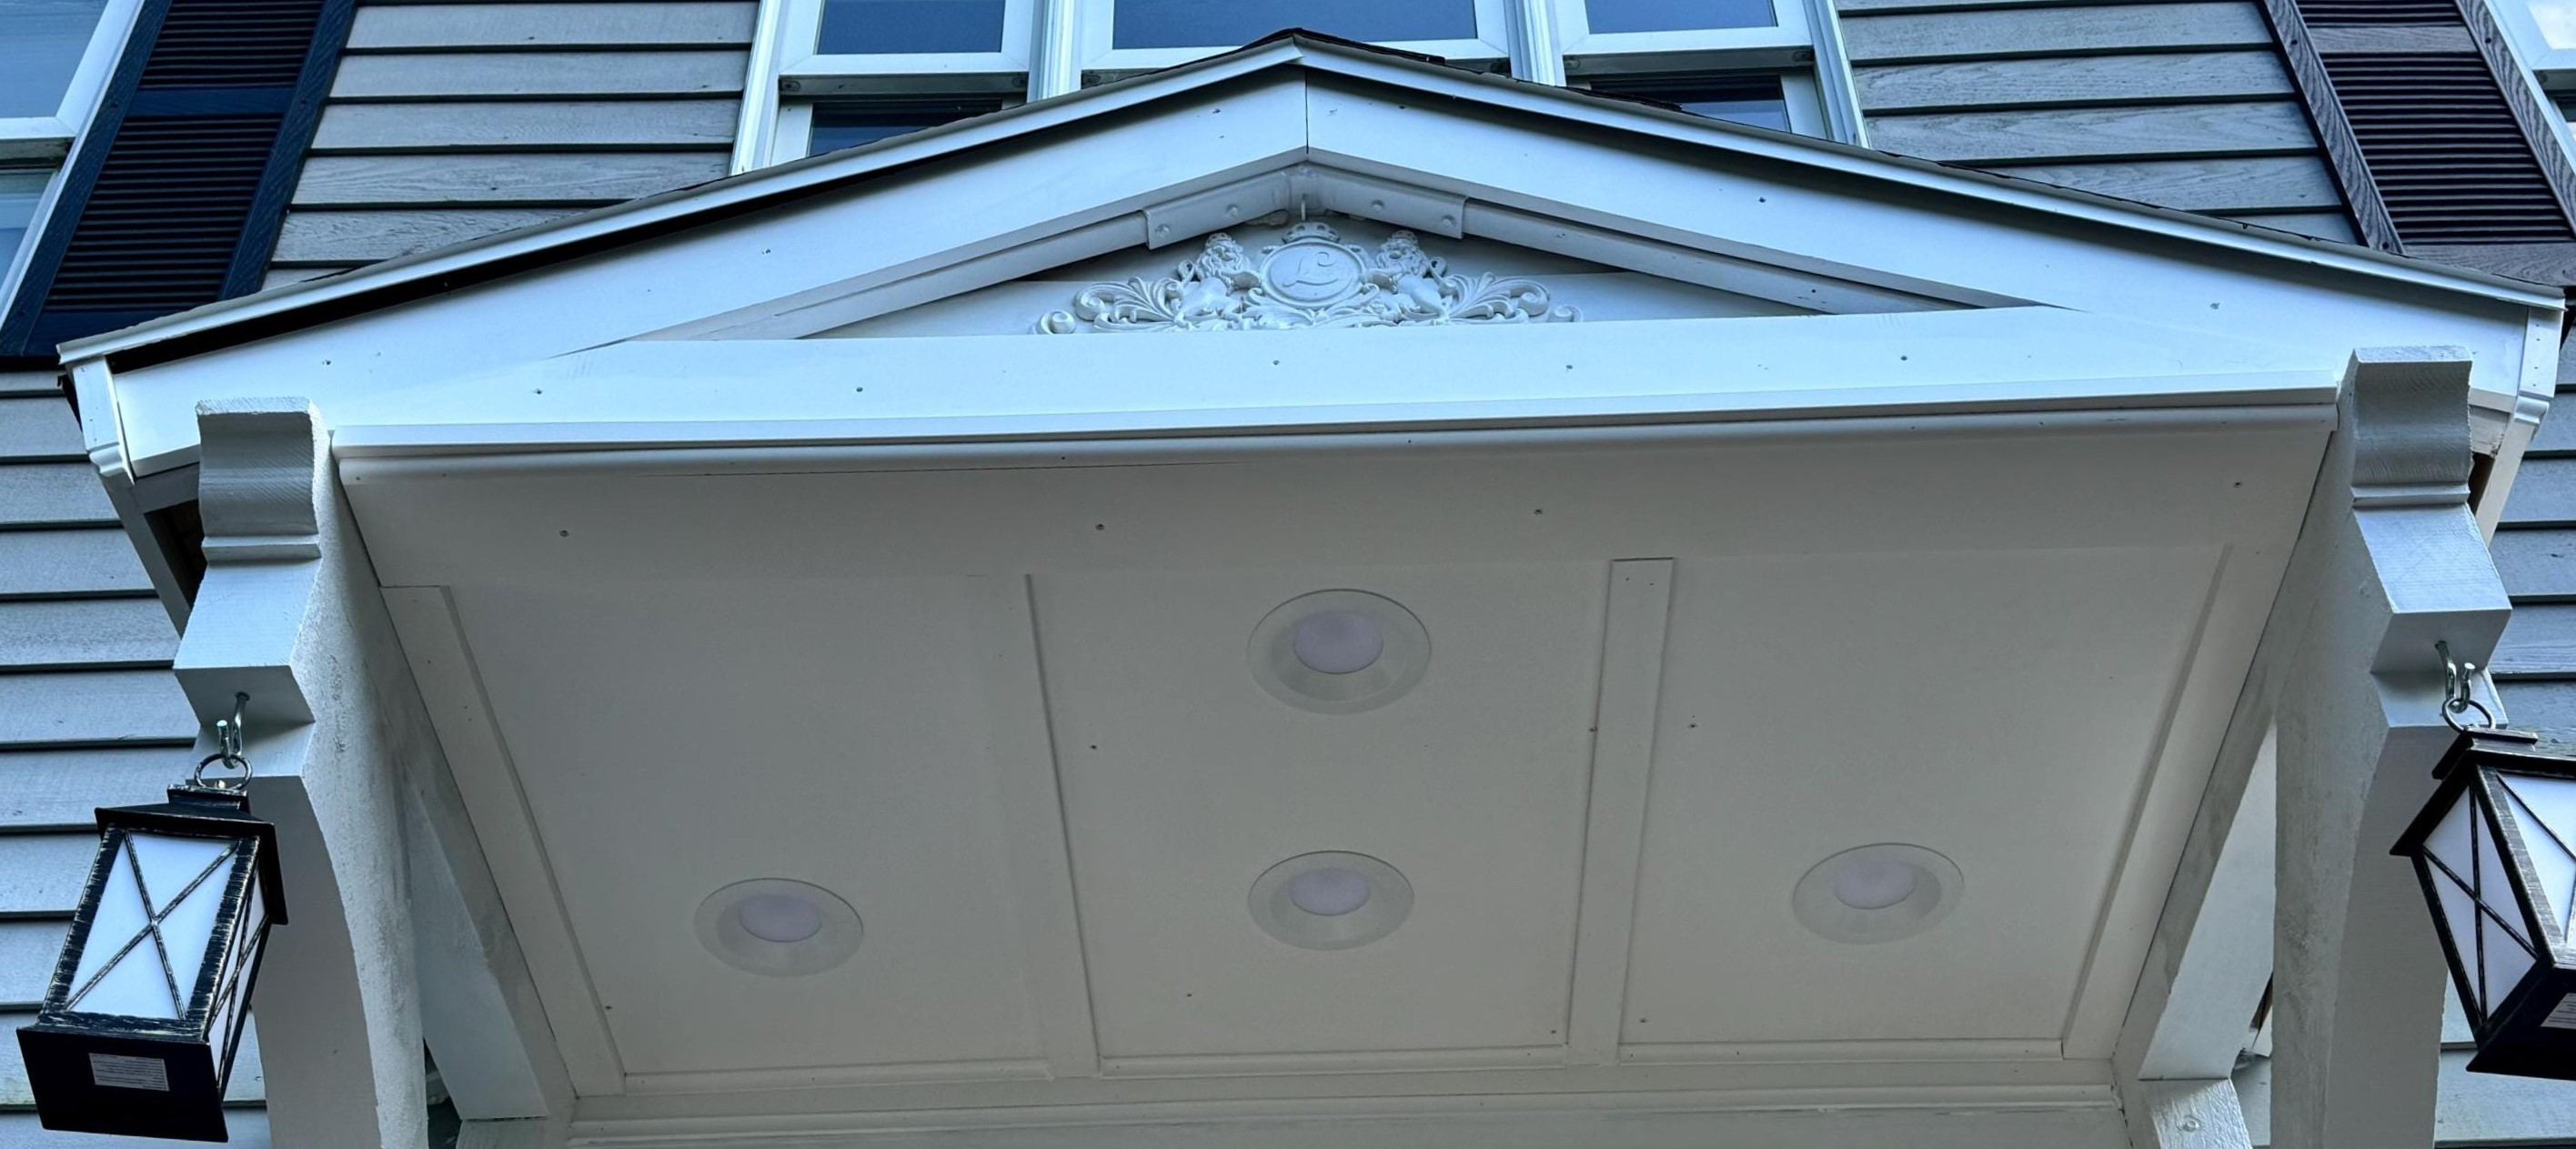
{"points": [[673, 738], [1184, 780], [2000, 708]]}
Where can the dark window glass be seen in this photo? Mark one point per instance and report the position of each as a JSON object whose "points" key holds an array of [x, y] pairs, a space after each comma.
{"points": [[41, 45], [867, 27], [1676, 15], [1755, 100], [19, 191], [847, 125], [1226, 23]]}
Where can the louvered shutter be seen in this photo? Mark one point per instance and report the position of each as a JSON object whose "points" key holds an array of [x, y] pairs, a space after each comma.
{"points": [[175, 193], [2442, 149]]}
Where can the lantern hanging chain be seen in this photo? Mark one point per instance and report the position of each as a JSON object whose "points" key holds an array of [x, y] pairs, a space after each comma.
{"points": [[228, 752], [2458, 681]]}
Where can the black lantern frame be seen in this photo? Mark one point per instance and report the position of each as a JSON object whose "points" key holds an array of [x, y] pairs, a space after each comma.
{"points": [[94, 1071], [2494, 868]]}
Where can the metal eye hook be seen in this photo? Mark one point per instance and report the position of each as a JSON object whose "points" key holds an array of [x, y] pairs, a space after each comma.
{"points": [[2459, 680], [228, 751]]}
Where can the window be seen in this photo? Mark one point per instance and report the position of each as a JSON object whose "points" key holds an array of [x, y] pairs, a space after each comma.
{"points": [[2544, 35], [855, 71], [55, 57]]}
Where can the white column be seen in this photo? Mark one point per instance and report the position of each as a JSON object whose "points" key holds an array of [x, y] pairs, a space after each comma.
{"points": [[2391, 562], [290, 614]]}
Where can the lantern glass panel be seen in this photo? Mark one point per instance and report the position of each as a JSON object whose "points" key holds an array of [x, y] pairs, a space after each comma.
{"points": [[2505, 962], [2544, 810], [2450, 842], [2495, 878], [2460, 916], [232, 989], [155, 917]]}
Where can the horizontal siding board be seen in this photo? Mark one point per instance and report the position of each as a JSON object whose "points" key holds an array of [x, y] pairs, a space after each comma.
{"points": [[2113, 28], [22, 383], [85, 560], [2279, 128], [2557, 430], [247, 1125], [569, 124], [62, 789], [342, 236], [43, 428], [52, 494], [28, 948], [601, 178], [2333, 225], [2539, 640], [2546, 705], [597, 24], [71, 633], [451, 75], [2536, 564], [2219, 184], [2070, 81], [2544, 494], [41, 874], [78, 707]]}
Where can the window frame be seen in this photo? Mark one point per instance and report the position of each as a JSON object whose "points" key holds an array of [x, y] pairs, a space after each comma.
{"points": [[1096, 24], [46, 143], [1052, 47], [2554, 68], [815, 72]]}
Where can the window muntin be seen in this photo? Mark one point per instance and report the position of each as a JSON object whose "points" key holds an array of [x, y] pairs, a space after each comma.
{"points": [[943, 61]]}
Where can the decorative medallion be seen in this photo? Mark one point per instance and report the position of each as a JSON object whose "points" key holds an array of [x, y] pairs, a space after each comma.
{"points": [[1310, 278]]}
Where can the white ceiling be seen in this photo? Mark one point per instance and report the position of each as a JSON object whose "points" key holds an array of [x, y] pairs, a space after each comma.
{"points": [[1008, 714]]}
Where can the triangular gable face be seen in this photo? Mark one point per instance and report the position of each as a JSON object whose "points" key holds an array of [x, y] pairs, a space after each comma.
{"points": [[1314, 246], [1306, 190]]}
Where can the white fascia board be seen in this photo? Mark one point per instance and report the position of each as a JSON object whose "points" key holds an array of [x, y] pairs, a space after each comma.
{"points": [[1584, 117], [1003, 389]]}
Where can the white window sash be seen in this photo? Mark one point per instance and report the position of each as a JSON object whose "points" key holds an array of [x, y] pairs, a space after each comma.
{"points": [[801, 28], [1096, 26]]}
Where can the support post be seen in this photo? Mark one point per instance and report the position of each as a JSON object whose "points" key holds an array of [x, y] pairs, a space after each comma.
{"points": [[2392, 562], [290, 614]]}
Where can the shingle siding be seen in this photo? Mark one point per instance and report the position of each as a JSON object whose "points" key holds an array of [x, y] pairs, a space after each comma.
{"points": [[2180, 103]]}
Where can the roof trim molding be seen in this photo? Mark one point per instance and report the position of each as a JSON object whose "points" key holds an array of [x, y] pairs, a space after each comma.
{"points": [[428, 274]]}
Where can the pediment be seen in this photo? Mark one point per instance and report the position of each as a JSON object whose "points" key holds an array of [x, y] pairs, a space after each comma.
{"points": [[1544, 210], [1282, 273]]}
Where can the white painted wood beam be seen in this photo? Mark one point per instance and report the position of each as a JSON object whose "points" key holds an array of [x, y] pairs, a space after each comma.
{"points": [[2211, 957], [487, 786], [2392, 561], [1614, 837], [1041, 866], [2185, 1115], [339, 1022]]}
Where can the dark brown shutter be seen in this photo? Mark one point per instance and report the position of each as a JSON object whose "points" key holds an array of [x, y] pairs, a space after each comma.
{"points": [[175, 192], [2443, 150]]}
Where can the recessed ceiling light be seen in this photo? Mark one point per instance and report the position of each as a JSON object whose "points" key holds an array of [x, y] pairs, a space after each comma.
{"points": [[1330, 900], [1339, 651], [778, 927], [1337, 641], [1877, 893]]}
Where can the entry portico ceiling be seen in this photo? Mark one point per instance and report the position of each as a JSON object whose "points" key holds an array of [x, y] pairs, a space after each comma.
{"points": [[1932, 510]]}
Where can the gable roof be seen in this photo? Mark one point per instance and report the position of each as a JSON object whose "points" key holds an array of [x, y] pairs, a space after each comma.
{"points": [[435, 272]]}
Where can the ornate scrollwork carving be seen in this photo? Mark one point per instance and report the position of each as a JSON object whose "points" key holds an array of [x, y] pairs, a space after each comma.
{"points": [[1310, 278]]}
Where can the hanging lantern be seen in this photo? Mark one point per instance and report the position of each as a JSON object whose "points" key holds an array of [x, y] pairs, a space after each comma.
{"points": [[138, 1030], [2496, 852]]}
